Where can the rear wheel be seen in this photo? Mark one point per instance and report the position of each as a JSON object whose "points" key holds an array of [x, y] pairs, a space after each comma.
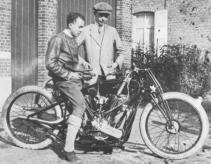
{"points": [[186, 135], [22, 131]]}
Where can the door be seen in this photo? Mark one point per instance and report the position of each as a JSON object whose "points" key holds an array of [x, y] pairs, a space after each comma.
{"points": [[24, 57]]}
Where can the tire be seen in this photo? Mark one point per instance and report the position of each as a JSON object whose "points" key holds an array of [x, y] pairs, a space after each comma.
{"points": [[185, 126], [22, 132]]}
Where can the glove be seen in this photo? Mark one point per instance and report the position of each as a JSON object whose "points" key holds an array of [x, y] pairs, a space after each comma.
{"points": [[88, 74], [85, 64], [74, 75]]}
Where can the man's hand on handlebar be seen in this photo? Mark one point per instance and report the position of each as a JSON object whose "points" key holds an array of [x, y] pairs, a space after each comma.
{"points": [[74, 75]]}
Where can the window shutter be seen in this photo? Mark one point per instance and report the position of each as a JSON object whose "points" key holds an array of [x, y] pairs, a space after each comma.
{"points": [[161, 29]]}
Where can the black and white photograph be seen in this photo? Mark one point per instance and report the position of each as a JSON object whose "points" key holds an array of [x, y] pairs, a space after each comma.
{"points": [[105, 81]]}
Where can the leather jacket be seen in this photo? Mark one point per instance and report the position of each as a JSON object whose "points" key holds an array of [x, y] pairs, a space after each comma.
{"points": [[62, 56]]}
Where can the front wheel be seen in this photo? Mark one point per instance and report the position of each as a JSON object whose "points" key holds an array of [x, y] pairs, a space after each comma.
{"points": [[187, 133]]}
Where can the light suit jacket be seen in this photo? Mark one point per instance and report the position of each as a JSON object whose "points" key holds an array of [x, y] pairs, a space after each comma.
{"points": [[102, 50]]}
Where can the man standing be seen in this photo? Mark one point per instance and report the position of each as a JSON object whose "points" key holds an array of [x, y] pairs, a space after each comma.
{"points": [[103, 46], [63, 63]]}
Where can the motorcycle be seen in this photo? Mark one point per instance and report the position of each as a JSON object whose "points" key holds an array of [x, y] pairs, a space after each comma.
{"points": [[173, 125]]}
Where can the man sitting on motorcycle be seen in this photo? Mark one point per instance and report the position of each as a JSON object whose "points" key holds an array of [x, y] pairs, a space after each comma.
{"points": [[64, 65]]}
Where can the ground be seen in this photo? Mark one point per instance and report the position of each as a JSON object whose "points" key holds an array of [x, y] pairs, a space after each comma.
{"points": [[135, 152]]}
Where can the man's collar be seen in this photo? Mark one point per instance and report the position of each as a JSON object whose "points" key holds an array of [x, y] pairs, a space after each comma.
{"points": [[67, 32], [96, 24]]}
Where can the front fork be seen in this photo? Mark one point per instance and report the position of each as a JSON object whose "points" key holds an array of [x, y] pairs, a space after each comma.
{"points": [[162, 105]]}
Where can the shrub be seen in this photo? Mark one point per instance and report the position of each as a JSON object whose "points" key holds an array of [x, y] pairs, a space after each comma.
{"points": [[177, 68]]}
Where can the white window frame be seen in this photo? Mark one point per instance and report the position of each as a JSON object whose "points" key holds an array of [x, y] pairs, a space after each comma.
{"points": [[160, 29], [143, 26]]}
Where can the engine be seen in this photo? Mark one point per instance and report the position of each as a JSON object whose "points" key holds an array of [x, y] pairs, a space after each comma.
{"points": [[105, 118], [106, 112]]}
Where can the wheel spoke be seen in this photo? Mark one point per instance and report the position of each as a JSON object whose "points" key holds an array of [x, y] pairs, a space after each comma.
{"points": [[156, 125], [159, 136], [25, 130], [180, 137]]}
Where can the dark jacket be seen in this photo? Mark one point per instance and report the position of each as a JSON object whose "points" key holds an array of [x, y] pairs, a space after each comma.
{"points": [[62, 56]]}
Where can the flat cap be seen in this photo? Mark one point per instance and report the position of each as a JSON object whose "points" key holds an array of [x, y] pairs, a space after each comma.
{"points": [[102, 7]]}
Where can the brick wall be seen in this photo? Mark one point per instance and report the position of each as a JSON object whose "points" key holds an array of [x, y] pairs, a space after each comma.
{"points": [[124, 26], [47, 13], [5, 25], [146, 5], [5, 37], [5, 50], [189, 21]]}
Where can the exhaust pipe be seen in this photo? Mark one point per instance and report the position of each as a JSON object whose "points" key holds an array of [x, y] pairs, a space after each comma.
{"points": [[43, 121], [104, 127]]}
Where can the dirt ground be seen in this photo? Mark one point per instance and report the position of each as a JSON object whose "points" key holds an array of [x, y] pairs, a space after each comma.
{"points": [[135, 152]]}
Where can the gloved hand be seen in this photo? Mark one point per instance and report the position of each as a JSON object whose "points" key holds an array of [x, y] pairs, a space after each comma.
{"points": [[74, 75], [85, 64], [88, 74]]}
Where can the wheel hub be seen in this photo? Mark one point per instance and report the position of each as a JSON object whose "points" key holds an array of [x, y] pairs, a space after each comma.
{"points": [[174, 127]]}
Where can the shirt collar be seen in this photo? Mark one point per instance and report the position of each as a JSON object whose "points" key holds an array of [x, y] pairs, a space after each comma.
{"points": [[97, 26], [67, 32]]}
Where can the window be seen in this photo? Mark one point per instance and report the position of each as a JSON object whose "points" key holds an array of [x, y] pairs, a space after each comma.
{"points": [[143, 31], [150, 30]]}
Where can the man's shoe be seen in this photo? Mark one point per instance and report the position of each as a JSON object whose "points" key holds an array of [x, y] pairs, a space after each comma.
{"points": [[71, 156]]}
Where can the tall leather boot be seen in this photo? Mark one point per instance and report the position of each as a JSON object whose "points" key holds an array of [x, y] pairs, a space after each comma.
{"points": [[74, 124]]}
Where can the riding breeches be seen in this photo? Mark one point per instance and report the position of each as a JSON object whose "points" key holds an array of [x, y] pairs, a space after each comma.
{"points": [[72, 89]]}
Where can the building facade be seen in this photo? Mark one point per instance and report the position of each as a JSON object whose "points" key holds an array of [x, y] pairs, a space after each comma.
{"points": [[27, 25], [172, 21], [5, 49]]}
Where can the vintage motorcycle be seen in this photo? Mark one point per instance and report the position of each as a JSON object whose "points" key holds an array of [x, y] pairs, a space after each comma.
{"points": [[173, 125]]}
